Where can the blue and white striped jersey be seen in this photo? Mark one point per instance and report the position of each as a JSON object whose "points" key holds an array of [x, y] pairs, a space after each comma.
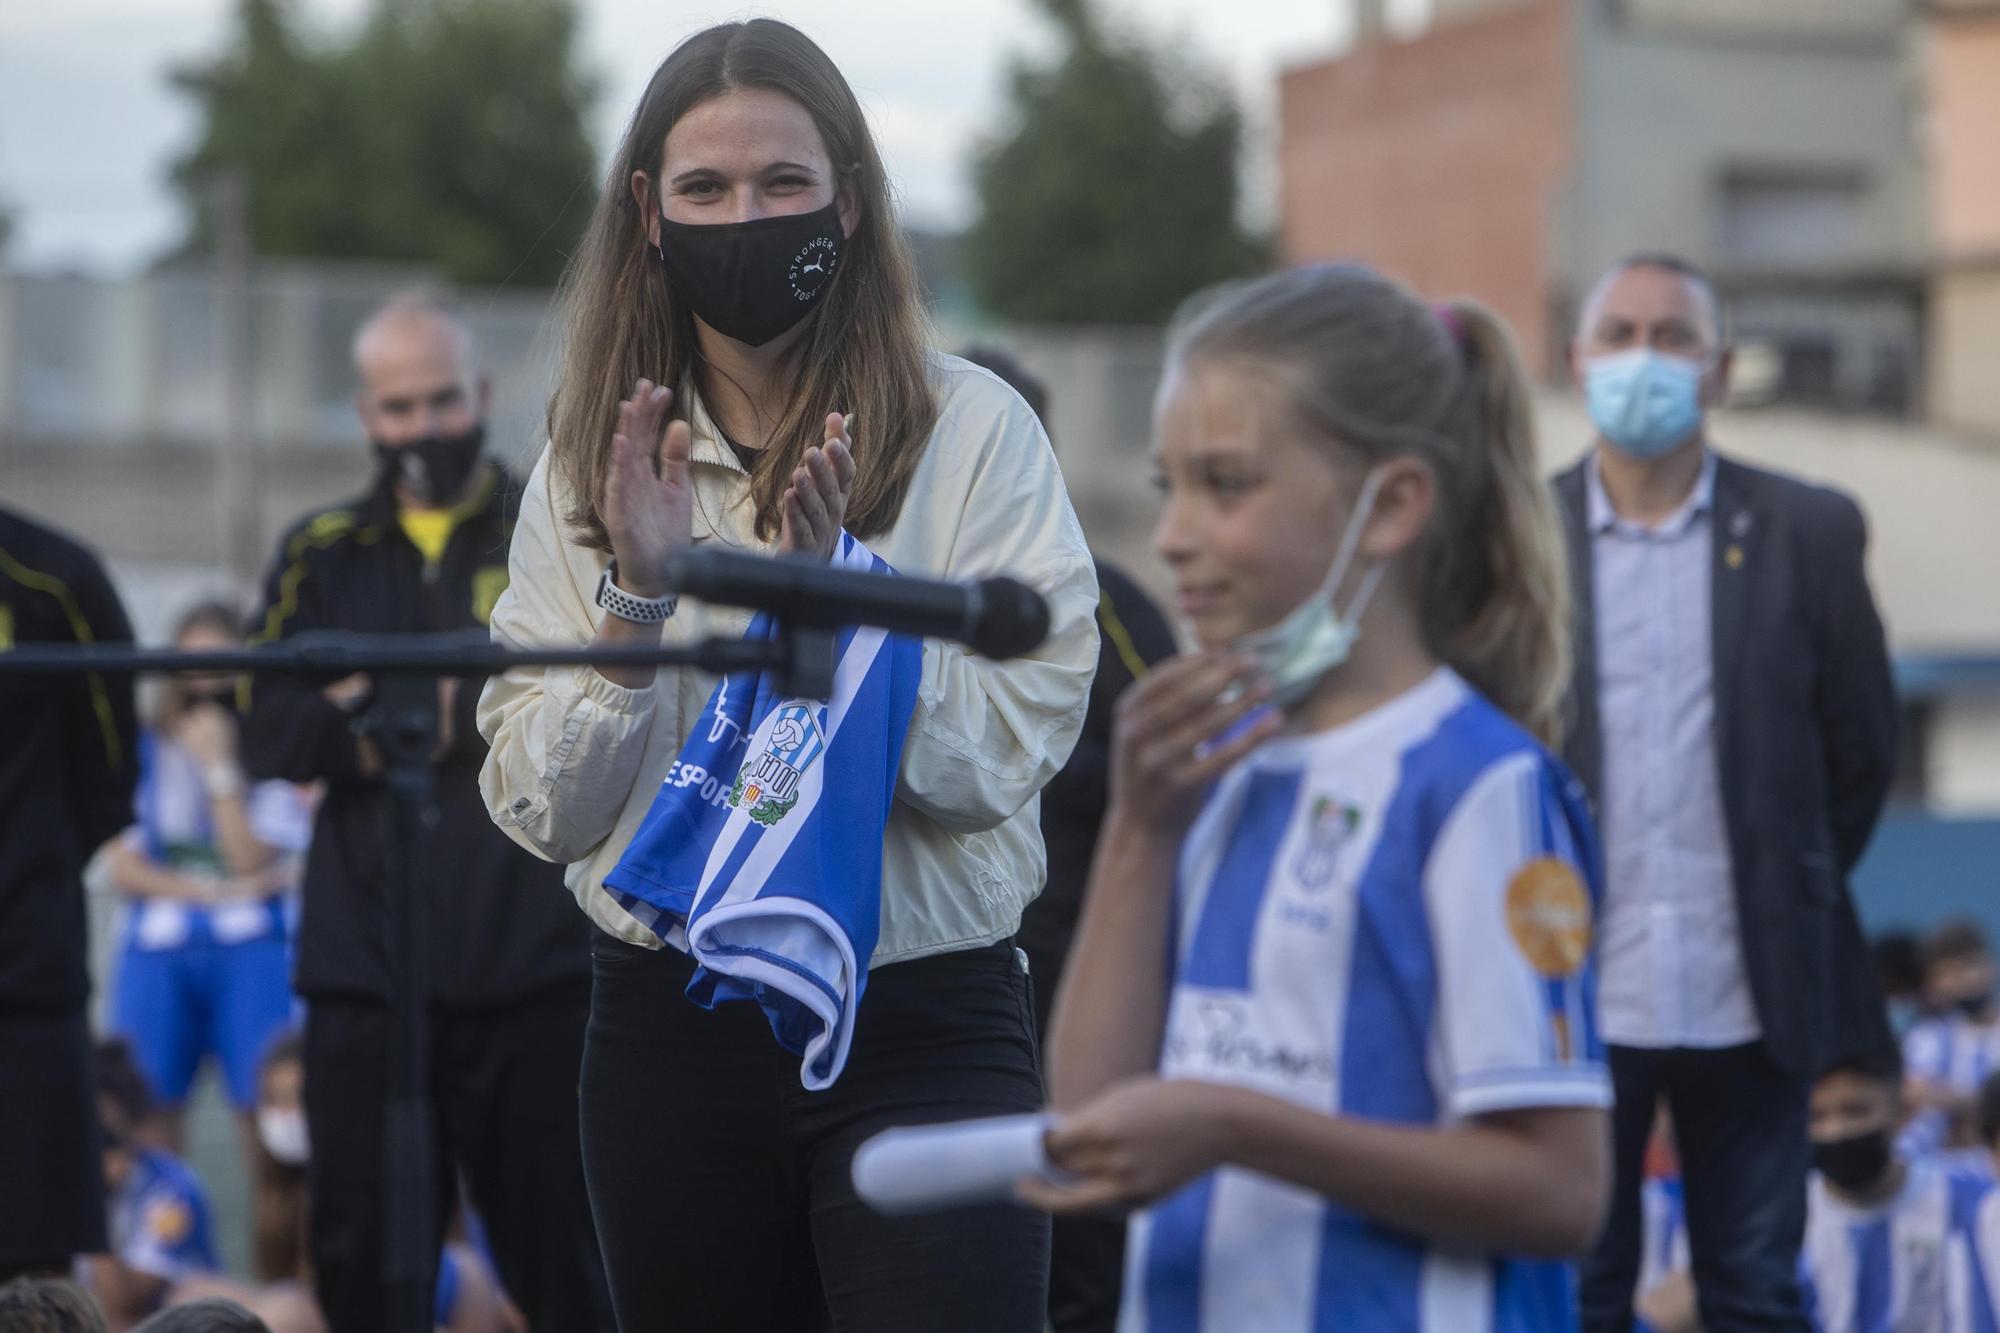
{"points": [[159, 1220], [1953, 1051], [1389, 920], [1949, 1052], [1925, 1261]]}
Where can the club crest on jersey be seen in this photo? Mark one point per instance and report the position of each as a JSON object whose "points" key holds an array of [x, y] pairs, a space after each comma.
{"points": [[1328, 830], [767, 786]]}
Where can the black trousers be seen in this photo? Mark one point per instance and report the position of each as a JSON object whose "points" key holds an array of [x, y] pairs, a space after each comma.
{"points": [[1087, 1250], [504, 1111], [1740, 1132], [51, 1164], [721, 1186]]}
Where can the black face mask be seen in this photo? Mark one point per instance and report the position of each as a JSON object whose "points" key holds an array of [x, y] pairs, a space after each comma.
{"points": [[221, 695], [752, 281], [432, 470], [1853, 1164]]}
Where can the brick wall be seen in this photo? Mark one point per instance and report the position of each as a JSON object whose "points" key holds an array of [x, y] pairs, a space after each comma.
{"points": [[1963, 69], [1964, 120], [1437, 160]]}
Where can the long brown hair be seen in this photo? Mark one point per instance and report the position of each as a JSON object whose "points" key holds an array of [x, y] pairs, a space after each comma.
{"points": [[1375, 370], [863, 353]]}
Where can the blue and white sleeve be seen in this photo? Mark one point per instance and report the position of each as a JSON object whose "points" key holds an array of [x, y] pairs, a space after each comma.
{"points": [[1509, 890], [165, 1240], [281, 816], [1927, 1051]]}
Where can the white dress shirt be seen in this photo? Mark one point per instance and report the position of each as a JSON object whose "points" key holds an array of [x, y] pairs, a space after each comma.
{"points": [[1672, 954]]}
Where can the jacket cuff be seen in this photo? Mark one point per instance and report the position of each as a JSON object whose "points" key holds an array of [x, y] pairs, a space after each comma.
{"points": [[609, 695]]}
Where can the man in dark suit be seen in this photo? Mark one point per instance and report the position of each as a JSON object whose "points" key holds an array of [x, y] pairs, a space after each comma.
{"points": [[1734, 719]]}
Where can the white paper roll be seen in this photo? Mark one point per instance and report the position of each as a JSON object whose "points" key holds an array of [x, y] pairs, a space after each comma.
{"points": [[922, 1168]]}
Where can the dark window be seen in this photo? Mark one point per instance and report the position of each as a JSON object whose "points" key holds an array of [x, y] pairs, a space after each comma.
{"points": [[1790, 217]]}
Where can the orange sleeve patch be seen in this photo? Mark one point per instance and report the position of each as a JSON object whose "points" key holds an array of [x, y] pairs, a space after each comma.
{"points": [[1548, 914]]}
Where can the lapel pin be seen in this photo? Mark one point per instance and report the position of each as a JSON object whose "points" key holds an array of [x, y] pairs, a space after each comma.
{"points": [[1733, 557], [1739, 524]]}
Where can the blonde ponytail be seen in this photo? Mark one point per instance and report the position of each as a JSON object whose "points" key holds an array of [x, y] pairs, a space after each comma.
{"points": [[1497, 593], [1380, 373]]}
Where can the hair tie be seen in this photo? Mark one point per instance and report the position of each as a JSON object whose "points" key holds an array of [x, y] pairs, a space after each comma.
{"points": [[1454, 324]]}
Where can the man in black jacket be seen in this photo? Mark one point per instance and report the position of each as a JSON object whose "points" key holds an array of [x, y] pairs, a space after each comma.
{"points": [[1733, 716], [508, 955], [68, 760]]}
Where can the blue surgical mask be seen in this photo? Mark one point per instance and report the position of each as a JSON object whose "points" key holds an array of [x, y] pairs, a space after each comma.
{"points": [[1313, 638], [1644, 403]]}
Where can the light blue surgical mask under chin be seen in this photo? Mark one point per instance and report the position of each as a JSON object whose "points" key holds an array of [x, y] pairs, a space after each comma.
{"points": [[1313, 638], [1643, 402]]}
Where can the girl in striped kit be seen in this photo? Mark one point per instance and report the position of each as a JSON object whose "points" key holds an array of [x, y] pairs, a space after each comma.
{"points": [[1329, 1023]]}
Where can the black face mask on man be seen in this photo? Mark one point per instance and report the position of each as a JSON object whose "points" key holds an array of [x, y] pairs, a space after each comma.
{"points": [[752, 281], [1854, 1163], [433, 470]]}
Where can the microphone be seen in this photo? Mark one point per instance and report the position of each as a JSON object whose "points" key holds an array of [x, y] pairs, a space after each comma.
{"points": [[996, 617]]}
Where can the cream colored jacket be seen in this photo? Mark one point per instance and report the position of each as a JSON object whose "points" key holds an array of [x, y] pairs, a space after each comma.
{"points": [[576, 760]]}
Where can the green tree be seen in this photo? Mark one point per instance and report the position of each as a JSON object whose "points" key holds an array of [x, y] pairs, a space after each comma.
{"points": [[449, 132], [1115, 194]]}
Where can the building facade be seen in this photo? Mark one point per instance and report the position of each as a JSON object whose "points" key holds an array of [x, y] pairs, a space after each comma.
{"points": [[1962, 69], [1836, 165], [1516, 148]]}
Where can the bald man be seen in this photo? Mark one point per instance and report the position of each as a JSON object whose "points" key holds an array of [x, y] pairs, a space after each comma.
{"points": [[1733, 717], [425, 548]]}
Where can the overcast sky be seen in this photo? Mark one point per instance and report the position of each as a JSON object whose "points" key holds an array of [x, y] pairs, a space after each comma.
{"points": [[88, 125]]}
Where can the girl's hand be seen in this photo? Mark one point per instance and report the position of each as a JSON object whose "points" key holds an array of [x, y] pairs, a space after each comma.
{"points": [[243, 888], [349, 692], [208, 732], [816, 502], [201, 887], [649, 493], [1137, 1142], [1167, 744]]}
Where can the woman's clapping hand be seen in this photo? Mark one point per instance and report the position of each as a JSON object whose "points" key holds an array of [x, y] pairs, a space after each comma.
{"points": [[816, 503]]}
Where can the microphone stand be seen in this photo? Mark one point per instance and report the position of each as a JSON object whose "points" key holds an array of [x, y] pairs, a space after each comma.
{"points": [[802, 658], [402, 719]]}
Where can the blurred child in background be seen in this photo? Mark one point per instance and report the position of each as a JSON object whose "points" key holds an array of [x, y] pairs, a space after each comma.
{"points": [[159, 1223], [1950, 1055], [47, 1305], [203, 871], [1899, 966], [1665, 1300], [469, 1298], [1893, 1241], [209, 1315]]}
